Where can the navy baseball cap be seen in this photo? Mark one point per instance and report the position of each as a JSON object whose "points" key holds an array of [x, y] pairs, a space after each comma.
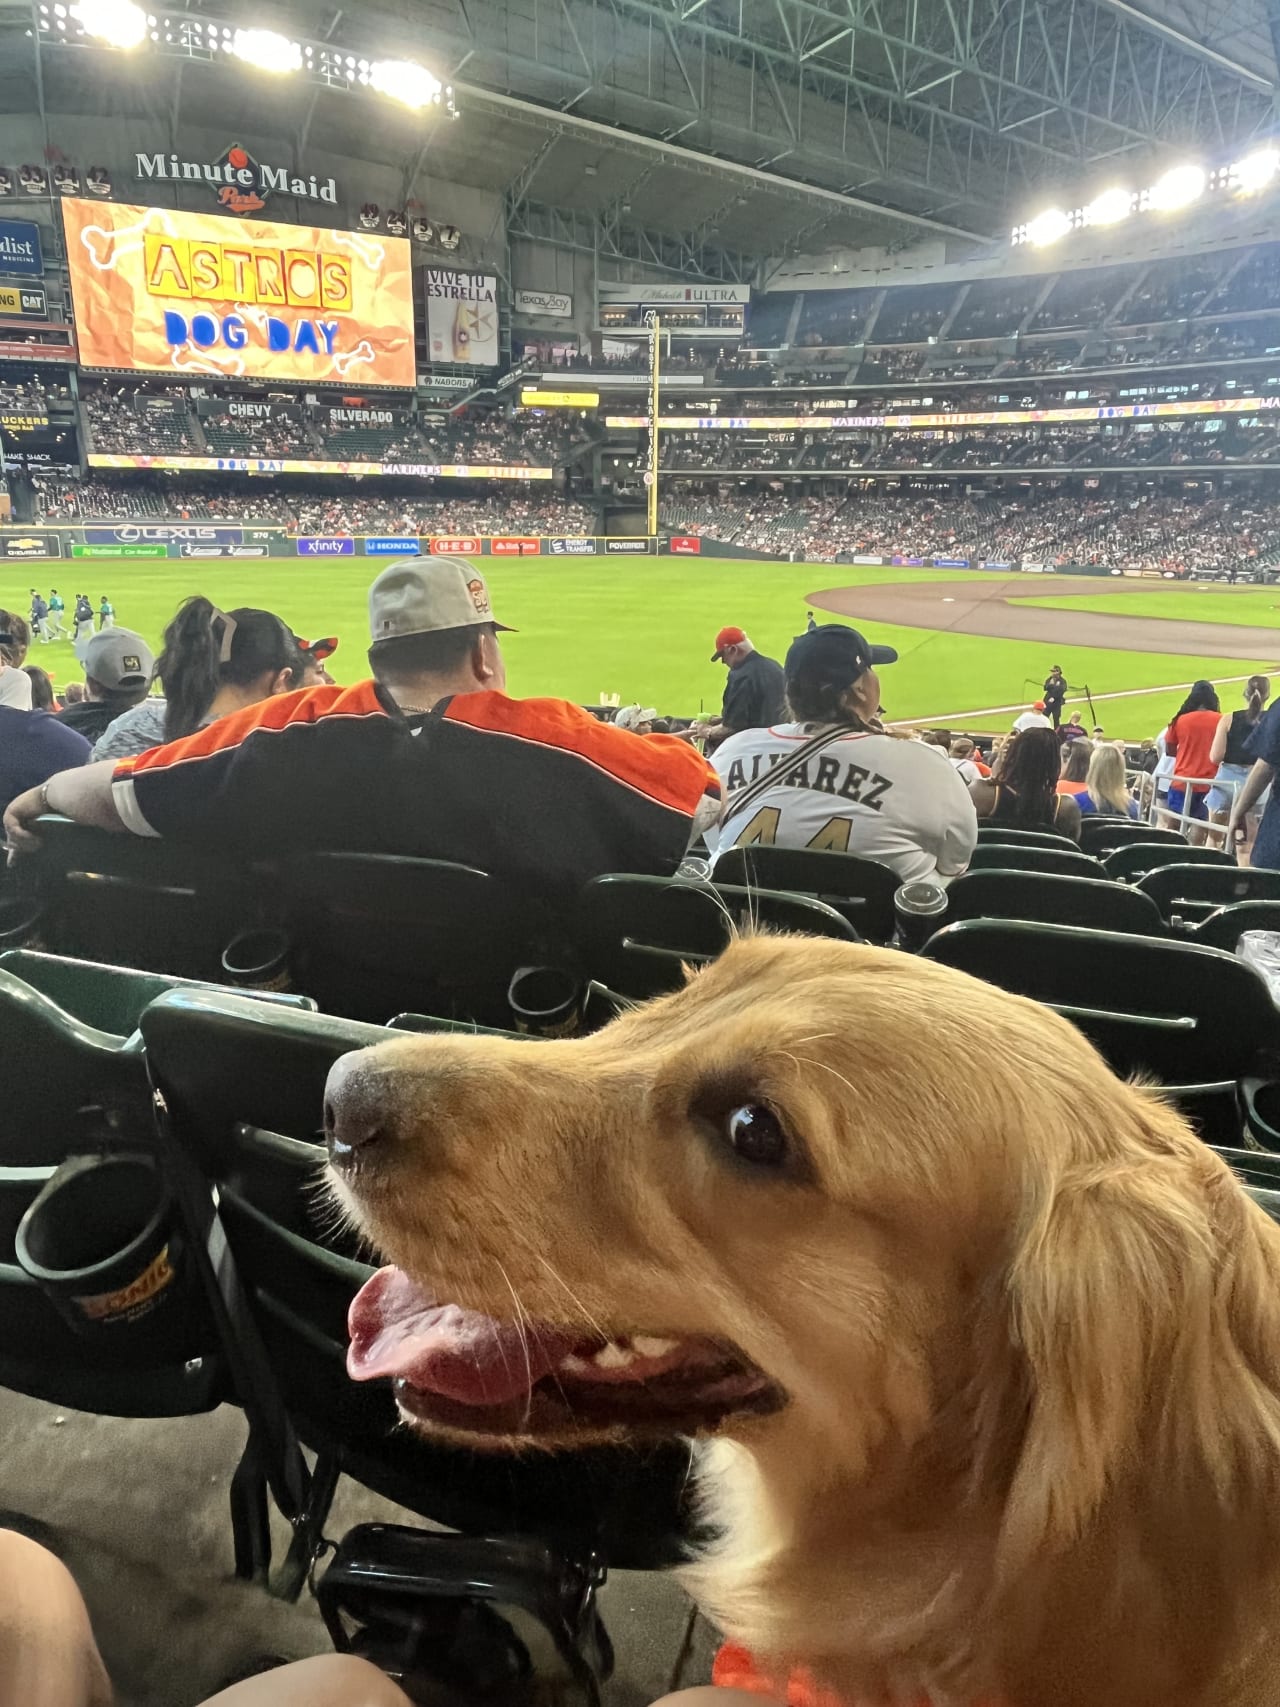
{"points": [[835, 653]]}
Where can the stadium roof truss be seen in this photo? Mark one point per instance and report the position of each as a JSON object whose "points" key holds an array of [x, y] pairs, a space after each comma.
{"points": [[704, 135]]}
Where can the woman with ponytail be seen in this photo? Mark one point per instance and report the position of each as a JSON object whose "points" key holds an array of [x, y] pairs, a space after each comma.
{"points": [[1189, 739], [1230, 748], [213, 662]]}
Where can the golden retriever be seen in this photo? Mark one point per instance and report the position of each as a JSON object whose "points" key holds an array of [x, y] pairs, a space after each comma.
{"points": [[985, 1359]]}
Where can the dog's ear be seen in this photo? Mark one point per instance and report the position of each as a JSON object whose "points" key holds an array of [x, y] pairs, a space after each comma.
{"points": [[1145, 1311]]}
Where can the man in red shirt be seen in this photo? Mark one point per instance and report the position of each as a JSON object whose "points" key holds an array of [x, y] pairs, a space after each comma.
{"points": [[429, 758]]}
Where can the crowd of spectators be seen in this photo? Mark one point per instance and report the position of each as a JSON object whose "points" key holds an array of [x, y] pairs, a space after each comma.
{"points": [[129, 420], [1160, 533], [504, 510], [275, 436]]}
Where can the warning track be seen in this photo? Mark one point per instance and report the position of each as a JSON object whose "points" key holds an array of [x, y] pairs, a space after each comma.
{"points": [[998, 609]]}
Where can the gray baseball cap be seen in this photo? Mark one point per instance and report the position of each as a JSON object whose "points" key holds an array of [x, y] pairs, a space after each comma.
{"points": [[424, 595], [118, 658]]}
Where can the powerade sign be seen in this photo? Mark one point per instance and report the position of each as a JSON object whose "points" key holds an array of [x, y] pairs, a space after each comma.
{"points": [[162, 532], [326, 545], [628, 547], [20, 248], [572, 547], [392, 545]]}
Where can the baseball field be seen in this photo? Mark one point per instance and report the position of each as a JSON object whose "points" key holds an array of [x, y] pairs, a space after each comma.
{"points": [[973, 649]]}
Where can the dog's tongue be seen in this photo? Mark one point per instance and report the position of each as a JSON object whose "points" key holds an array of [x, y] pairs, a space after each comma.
{"points": [[397, 1330]]}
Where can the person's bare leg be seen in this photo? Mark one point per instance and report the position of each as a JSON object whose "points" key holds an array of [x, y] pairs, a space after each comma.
{"points": [[329, 1680], [48, 1657]]}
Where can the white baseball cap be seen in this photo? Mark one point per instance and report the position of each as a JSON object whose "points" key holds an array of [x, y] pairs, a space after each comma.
{"points": [[426, 595]]}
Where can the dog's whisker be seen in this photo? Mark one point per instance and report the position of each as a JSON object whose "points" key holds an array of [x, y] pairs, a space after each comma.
{"points": [[523, 1320]]}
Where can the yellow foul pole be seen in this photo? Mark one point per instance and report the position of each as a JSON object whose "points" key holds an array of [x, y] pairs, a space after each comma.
{"points": [[655, 364]]}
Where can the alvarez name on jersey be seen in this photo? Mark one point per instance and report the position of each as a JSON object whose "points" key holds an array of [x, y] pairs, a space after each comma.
{"points": [[896, 801]]}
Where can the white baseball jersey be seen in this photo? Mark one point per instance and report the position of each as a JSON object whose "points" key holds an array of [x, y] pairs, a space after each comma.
{"points": [[899, 802]]}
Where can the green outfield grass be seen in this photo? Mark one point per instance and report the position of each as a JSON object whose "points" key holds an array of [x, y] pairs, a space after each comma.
{"points": [[1203, 601], [638, 627]]}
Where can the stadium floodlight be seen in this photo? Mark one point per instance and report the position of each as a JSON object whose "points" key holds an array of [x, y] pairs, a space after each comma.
{"points": [[1110, 207], [1255, 171], [402, 80], [1178, 188], [119, 23], [1048, 226], [266, 50]]}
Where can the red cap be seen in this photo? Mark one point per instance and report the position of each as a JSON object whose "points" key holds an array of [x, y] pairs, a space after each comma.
{"points": [[727, 637], [1039, 705]]}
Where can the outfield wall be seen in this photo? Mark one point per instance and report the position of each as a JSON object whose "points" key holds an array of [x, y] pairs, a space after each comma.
{"points": [[211, 540], [205, 540]]}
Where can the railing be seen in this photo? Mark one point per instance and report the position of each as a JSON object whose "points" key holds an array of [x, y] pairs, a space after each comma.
{"points": [[1156, 808]]}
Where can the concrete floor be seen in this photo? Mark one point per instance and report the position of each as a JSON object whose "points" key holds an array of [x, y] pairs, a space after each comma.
{"points": [[138, 1512]]}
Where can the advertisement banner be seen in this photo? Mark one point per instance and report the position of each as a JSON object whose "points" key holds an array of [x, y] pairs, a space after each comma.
{"points": [[455, 545], [534, 399], [20, 248], [674, 293], [325, 545], [553, 303], [64, 353], [950, 562], [23, 423], [300, 465], [572, 547], [507, 546], [392, 545], [686, 544], [24, 300], [167, 292], [462, 317], [130, 532], [189, 550], [629, 547], [30, 545], [119, 550]]}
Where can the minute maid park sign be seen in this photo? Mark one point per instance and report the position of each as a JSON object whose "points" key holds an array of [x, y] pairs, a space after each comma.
{"points": [[242, 184]]}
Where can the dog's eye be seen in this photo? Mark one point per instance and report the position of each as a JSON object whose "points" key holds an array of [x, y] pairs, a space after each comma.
{"points": [[756, 1134]]}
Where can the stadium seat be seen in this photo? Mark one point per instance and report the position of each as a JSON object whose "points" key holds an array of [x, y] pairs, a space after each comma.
{"points": [[110, 998], [1055, 862], [135, 901], [1007, 836], [243, 1088], [75, 1089], [1099, 834], [1193, 1019], [1224, 927], [637, 934], [1092, 902], [1192, 892], [371, 935], [1135, 859], [862, 890]]}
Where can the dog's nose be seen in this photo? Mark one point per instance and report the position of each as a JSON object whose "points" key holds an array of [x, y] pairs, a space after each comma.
{"points": [[357, 1123]]}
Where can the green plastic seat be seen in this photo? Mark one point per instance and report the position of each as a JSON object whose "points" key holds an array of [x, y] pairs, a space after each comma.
{"points": [[78, 1090], [155, 905], [1191, 892], [1095, 903], [1193, 1019], [860, 890], [1224, 926], [378, 934], [1100, 834], [637, 934], [1135, 859], [1053, 862], [1008, 836], [244, 1086], [109, 998]]}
